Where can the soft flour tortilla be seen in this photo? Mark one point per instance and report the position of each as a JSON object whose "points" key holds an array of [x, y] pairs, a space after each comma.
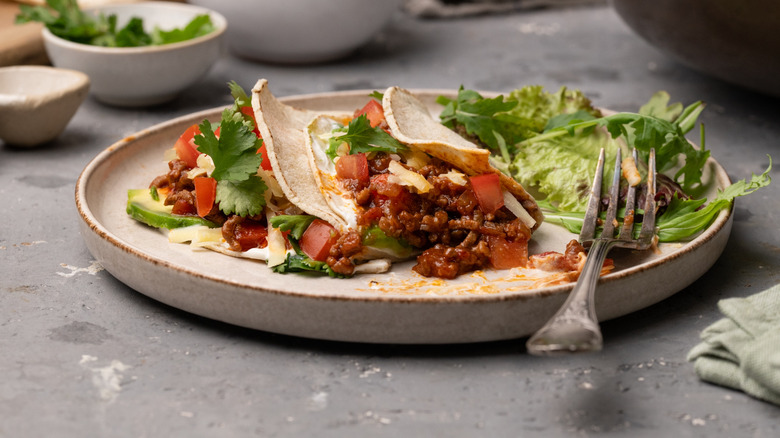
{"points": [[412, 124], [284, 133]]}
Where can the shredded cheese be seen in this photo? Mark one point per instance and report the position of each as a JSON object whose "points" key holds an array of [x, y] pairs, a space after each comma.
{"points": [[406, 177], [456, 177], [513, 205]]}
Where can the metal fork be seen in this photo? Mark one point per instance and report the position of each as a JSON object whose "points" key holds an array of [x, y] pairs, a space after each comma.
{"points": [[575, 328]]}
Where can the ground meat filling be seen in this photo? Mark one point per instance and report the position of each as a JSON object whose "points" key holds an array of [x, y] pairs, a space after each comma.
{"points": [[181, 192], [446, 222]]}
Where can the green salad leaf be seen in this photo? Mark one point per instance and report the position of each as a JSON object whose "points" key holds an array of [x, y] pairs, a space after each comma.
{"points": [[296, 224], [361, 137], [298, 262]]}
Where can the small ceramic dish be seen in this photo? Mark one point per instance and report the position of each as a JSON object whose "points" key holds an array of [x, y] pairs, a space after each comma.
{"points": [[301, 31], [37, 102], [148, 75]]}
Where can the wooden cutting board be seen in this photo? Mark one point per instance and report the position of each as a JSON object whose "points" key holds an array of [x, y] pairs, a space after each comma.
{"points": [[19, 43]]}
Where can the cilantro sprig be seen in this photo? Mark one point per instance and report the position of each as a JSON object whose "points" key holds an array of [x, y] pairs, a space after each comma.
{"points": [[234, 153], [361, 137], [65, 19]]}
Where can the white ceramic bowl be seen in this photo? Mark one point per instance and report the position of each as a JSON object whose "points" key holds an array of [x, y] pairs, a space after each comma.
{"points": [[141, 76], [301, 31], [37, 102]]}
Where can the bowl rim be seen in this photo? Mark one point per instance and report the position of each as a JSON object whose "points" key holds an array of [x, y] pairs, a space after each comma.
{"points": [[81, 80], [220, 22]]}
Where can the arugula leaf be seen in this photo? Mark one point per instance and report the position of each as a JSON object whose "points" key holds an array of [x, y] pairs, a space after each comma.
{"points": [[478, 116], [235, 151], [377, 95], [296, 224], [683, 218], [361, 137]]}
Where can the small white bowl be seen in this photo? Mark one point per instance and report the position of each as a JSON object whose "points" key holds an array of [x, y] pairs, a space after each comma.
{"points": [[37, 102], [301, 31], [142, 76]]}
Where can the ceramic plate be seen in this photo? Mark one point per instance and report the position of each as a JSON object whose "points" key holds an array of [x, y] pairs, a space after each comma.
{"points": [[396, 307]]}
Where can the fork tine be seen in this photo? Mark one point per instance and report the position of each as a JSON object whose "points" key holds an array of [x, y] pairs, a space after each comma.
{"points": [[627, 231], [614, 199], [648, 219], [588, 231]]}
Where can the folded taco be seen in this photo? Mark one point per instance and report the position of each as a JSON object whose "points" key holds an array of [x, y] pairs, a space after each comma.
{"points": [[389, 183]]}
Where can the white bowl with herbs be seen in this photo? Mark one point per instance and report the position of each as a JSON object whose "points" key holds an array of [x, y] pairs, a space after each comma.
{"points": [[135, 54]]}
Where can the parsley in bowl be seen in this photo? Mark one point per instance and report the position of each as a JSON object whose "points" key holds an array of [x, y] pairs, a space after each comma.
{"points": [[135, 54], [65, 19]]}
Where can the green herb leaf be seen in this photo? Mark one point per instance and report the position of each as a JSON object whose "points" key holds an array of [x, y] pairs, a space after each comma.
{"points": [[66, 20], [684, 219], [296, 224], [235, 151], [361, 137], [199, 26], [301, 263], [244, 198]]}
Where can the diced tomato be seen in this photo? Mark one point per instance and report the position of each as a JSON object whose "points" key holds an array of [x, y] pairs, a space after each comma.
{"points": [[185, 146], [353, 166], [250, 234], [373, 111], [184, 208], [505, 254], [383, 187], [205, 193], [248, 111], [317, 240], [487, 189]]}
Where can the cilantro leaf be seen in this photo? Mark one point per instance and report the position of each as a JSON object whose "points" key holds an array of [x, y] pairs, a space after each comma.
{"points": [[239, 95], [296, 224], [235, 151], [244, 198], [361, 137], [198, 26]]}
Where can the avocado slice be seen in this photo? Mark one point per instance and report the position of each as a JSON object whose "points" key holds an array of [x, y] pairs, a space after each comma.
{"points": [[144, 205]]}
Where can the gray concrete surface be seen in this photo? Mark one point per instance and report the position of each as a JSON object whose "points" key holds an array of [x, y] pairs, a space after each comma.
{"points": [[82, 355]]}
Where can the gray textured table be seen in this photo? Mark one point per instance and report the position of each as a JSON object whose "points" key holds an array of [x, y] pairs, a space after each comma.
{"points": [[83, 355]]}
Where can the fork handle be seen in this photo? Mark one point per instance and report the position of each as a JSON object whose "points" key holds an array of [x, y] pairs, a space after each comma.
{"points": [[575, 328]]}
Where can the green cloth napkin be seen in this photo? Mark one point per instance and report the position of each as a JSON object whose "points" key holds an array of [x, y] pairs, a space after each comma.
{"points": [[742, 350]]}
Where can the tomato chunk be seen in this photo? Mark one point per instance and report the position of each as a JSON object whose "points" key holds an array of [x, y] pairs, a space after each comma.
{"points": [[317, 240], [205, 193], [353, 166], [248, 111], [373, 111], [185, 146], [487, 189], [251, 234], [506, 254]]}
